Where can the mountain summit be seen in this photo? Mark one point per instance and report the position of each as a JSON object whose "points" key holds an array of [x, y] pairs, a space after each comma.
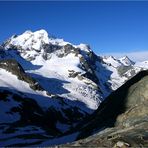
{"points": [[126, 61]]}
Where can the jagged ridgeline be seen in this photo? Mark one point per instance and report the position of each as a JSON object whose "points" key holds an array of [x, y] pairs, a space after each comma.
{"points": [[49, 87]]}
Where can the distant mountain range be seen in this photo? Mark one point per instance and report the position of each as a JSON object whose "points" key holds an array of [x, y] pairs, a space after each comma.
{"points": [[49, 87]]}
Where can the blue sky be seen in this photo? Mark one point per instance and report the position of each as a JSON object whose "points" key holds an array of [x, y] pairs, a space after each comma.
{"points": [[109, 27]]}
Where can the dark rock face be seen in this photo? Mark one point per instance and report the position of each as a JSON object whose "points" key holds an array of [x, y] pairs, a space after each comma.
{"points": [[123, 69], [88, 65], [49, 48], [15, 68], [73, 74], [70, 49], [64, 50], [125, 110], [67, 49]]}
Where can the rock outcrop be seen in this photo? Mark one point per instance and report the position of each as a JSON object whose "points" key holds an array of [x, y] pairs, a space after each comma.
{"points": [[15, 68]]}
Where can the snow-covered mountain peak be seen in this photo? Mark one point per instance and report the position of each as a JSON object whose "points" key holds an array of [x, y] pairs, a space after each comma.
{"points": [[84, 47], [29, 40], [38, 33], [28, 32], [112, 61], [70, 62], [38, 46], [42, 31], [52, 58], [126, 61], [35, 40]]}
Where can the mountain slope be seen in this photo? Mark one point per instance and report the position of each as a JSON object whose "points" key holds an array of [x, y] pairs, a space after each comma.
{"points": [[47, 89], [126, 110], [66, 59], [51, 58], [26, 106], [39, 47], [56, 83]]}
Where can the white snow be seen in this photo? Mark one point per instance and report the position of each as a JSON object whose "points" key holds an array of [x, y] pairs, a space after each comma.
{"points": [[111, 61], [115, 79], [109, 74], [34, 40], [29, 40], [143, 64], [12, 82], [59, 65], [83, 47]]}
